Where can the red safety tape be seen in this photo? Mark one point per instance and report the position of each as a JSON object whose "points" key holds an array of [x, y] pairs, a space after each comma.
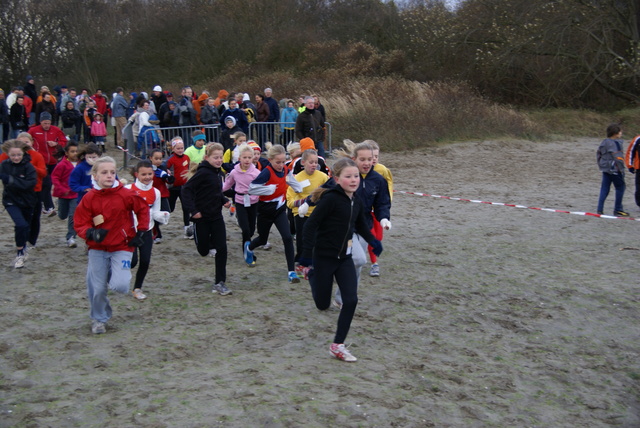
{"points": [[517, 206]]}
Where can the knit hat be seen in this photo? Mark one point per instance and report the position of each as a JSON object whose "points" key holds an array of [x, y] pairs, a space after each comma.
{"points": [[45, 116], [199, 137], [230, 118], [157, 88], [29, 77], [306, 144], [254, 146], [246, 97]]}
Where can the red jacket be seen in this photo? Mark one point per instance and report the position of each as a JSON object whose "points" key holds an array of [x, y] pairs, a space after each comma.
{"points": [[117, 207], [60, 179], [38, 163], [180, 167], [40, 138]]}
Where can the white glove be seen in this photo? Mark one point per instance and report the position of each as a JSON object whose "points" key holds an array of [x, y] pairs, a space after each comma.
{"points": [[303, 209], [385, 223]]}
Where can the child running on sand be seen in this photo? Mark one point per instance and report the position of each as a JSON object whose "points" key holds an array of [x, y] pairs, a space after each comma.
{"points": [[377, 228], [328, 248], [203, 199], [314, 179], [143, 186], [271, 185], [195, 152], [103, 219], [18, 177], [241, 177], [67, 198], [160, 180], [80, 178], [178, 164], [374, 194]]}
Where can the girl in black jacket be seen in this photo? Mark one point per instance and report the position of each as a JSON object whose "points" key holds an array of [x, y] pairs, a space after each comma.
{"points": [[18, 197], [202, 198], [327, 239]]}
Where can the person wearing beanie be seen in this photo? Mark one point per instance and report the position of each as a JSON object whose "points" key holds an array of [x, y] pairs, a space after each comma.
{"points": [[237, 114], [308, 144], [230, 128], [195, 152], [158, 98]]}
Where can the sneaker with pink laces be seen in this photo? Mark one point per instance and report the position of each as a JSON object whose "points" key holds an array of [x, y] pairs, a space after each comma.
{"points": [[341, 352]]}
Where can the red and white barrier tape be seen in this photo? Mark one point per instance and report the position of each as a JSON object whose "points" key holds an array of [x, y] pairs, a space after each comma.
{"points": [[517, 206]]}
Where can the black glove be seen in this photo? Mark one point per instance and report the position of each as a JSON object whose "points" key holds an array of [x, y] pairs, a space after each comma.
{"points": [[632, 170], [305, 261], [376, 247], [137, 240], [96, 235]]}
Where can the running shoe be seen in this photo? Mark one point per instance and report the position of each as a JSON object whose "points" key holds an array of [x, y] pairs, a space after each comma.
{"points": [[98, 327], [71, 243], [221, 289], [339, 351], [621, 213], [138, 294], [19, 261], [375, 270], [266, 246], [248, 254], [293, 277]]}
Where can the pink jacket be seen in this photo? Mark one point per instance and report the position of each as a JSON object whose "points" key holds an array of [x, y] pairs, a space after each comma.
{"points": [[242, 180], [60, 179], [98, 129]]}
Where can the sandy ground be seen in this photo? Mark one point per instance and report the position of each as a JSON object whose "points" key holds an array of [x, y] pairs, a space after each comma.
{"points": [[484, 316]]}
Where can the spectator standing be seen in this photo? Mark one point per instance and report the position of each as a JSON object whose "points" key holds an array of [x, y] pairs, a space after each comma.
{"points": [[4, 118], [288, 119], [274, 113], [119, 112], [309, 124]]}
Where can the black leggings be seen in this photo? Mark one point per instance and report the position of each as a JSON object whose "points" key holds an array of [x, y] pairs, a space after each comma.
{"points": [[174, 194], [300, 221], [212, 235], [268, 215], [34, 223], [145, 258], [321, 280], [247, 220]]}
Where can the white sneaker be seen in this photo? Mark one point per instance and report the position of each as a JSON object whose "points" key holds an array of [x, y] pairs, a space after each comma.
{"points": [[341, 352], [375, 270], [98, 327], [138, 294], [266, 246], [71, 243], [212, 253], [19, 261], [188, 232], [157, 240]]}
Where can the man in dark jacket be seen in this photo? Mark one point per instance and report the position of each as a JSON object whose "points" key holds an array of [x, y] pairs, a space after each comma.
{"points": [[274, 113], [310, 124]]}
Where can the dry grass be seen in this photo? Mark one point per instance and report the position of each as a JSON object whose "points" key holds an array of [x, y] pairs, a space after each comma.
{"points": [[401, 114]]}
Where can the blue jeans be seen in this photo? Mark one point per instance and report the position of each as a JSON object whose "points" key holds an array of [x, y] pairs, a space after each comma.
{"points": [[105, 269], [618, 183], [66, 210]]}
